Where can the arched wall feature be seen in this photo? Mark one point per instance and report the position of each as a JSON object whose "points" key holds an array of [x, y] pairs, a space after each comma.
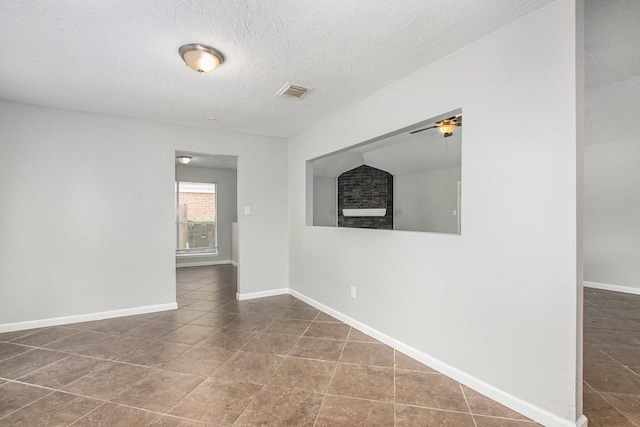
{"points": [[365, 187]]}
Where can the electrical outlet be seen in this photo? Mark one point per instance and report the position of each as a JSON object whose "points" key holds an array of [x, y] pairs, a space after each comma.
{"points": [[353, 292]]}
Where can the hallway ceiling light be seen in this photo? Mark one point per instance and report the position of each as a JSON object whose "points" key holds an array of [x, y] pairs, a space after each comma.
{"points": [[201, 58], [184, 159], [447, 127]]}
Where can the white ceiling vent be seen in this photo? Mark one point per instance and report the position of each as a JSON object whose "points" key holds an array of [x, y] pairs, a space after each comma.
{"points": [[292, 91]]}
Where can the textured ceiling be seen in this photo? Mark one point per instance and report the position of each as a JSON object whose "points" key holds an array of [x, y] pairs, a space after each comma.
{"points": [[613, 70], [208, 161], [402, 154], [612, 33], [120, 57], [399, 153]]}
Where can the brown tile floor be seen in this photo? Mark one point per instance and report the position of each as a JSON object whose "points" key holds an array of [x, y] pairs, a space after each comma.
{"points": [[219, 362], [611, 358]]}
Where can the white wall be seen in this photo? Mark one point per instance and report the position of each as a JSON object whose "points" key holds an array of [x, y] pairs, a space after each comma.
{"points": [[612, 187], [612, 214], [226, 208], [496, 307], [325, 201], [235, 235], [87, 211], [426, 201]]}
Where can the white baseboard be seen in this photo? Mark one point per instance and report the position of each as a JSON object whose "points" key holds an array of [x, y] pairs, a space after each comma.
{"points": [[56, 321], [271, 293], [202, 263], [615, 288], [537, 414], [234, 263], [582, 422]]}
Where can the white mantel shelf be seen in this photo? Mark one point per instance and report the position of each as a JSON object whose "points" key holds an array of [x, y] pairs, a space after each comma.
{"points": [[364, 212]]}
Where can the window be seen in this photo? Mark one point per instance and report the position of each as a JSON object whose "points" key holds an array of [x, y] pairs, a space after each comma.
{"points": [[196, 231]]}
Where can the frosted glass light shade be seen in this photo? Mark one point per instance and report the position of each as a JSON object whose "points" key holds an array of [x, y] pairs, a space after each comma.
{"points": [[201, 58], [184, 159], [447, 128]]}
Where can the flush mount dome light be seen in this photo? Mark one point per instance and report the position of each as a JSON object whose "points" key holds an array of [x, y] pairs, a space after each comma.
{"points": [[184, 159], [201, 58], [447, 127]]}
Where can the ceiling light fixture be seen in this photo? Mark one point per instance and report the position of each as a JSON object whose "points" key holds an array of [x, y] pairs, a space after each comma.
{"points": [[184, 159], [201, 58], [447, 127]]}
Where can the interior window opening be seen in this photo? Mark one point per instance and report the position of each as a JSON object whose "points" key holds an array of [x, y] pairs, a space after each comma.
{"points": [[196, 231]]}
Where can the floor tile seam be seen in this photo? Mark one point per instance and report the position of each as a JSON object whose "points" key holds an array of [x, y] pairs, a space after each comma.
{"points": [[295, 318], [434, 372], [391, 368], [84, 415], [386, 402], [503, 418], [370, 366], [609, 356], [335, 368], [150, 368], [210, 376], [434, 408], [111, 399], [466, 401], [54, 390], [527, 421], [634, 373], [611, 403], [113, 337], [68, 353], [223, 363], [182, 342], [395, 405], [18, 354], [614, 329], [27, 334], [117, 404], [37, 330], [60, 390], [314, 360], [249, 404], [35, 369], [305, 336], [135, 407], [472, 412], [30, 403], [324, 398], [56, 361], [296, 343]]}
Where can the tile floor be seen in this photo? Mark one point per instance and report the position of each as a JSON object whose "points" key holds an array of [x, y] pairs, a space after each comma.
{"points": [[219, 362], [611, 358]]}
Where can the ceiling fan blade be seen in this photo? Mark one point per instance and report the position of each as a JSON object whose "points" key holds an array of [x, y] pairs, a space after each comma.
{"points": [[416, 131]]}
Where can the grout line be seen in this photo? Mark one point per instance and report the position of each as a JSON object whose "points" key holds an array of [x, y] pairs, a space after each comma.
{"points": [[28, 404], [87, 414], [395, 402], [335, 368], [468, 406], [612, 404]]}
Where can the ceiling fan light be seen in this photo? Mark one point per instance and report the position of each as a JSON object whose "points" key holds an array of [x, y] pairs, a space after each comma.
{"points": [[184, 159], [201, 58], [447, 128]]}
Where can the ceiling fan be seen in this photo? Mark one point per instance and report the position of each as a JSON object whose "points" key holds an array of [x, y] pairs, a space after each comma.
{"points": [[446, 126]]}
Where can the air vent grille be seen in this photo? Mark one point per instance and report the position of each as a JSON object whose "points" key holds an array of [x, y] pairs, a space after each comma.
{"points": [[292, 91]]}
